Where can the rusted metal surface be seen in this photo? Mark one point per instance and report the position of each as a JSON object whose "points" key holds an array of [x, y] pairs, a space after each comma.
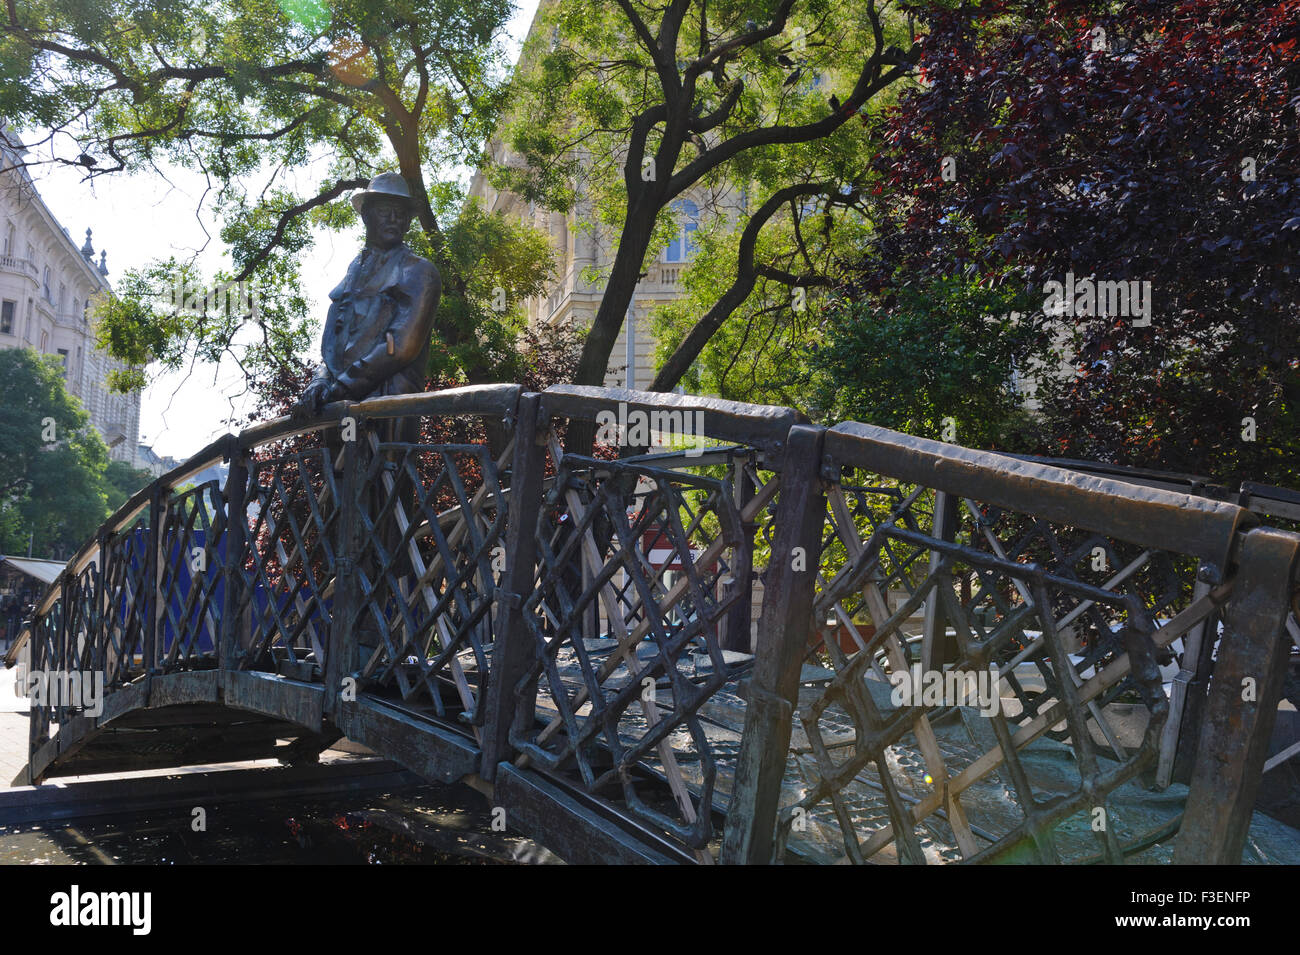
{"points": [[774, 687], [1182, 523], [762, 426], [1243, 701], [586, 636]]}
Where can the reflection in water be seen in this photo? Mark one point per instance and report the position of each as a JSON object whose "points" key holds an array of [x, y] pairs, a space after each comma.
{"points": [[431, 825]]}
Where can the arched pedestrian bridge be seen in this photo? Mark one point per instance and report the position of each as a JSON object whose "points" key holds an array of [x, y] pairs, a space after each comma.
{"points": [[686, 655]]}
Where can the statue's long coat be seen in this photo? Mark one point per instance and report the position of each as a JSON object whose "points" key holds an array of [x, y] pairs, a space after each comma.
{"points": [[385, 293]]}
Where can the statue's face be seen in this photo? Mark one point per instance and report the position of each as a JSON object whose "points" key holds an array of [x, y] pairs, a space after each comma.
{"points": [[386, 221]]}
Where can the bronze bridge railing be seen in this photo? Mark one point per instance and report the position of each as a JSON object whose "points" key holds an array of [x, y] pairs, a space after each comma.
{"points": [[695, 654]]}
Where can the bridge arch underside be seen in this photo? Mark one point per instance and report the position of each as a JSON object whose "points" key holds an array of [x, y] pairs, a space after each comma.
{"points": [[214, 716], [187, 718]]}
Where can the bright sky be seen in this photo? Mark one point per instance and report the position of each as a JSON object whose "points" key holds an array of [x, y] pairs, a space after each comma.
{"points": [[145, 216]]}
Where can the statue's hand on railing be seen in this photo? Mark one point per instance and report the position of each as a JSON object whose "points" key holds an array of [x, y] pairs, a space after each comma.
{"points": [[318, 394]]}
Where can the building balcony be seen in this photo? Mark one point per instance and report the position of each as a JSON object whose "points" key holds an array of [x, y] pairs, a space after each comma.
{"points": [[671, 273], [11, 263], [664, 280]]}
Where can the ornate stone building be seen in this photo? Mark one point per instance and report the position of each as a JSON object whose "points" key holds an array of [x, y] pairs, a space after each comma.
{"points": [[46, 283]]}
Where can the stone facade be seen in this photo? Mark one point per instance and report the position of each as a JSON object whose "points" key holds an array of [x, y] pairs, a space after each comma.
{"points": [[46, 282]]}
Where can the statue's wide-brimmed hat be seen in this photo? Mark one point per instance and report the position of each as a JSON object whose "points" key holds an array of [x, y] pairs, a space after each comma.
{"points": [[387, 185]]}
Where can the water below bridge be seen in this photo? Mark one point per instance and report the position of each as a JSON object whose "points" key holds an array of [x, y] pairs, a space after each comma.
{"points": [[421, 825]]}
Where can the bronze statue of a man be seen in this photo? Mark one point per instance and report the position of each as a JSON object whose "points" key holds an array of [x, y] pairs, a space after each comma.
{"points": [[380, 319]]}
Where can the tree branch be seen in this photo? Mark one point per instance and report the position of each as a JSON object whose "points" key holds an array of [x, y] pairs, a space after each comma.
{"points": [[288, 215], [742, 40], [684, 355], [773, 135]]}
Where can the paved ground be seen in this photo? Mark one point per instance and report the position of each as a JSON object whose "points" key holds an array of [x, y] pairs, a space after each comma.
{"points": [[13, 729]]}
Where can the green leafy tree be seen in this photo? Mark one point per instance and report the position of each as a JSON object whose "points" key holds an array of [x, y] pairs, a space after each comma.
{"points": [[122, 481], [52, 489], [781, 271], [1148, 146], [625, 107], [286, 107], [934, 354]]}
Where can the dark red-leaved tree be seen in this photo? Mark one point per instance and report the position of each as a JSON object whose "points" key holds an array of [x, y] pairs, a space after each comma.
{"points": [[1144, 142]]}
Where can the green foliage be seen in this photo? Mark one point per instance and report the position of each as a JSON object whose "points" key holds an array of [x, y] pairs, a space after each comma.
{"points": [[505, 262], [584, 80], [943, 349], [757, 353], [1165, 157], [619, 110], [122, 481], [286, 106], [52, 487]]}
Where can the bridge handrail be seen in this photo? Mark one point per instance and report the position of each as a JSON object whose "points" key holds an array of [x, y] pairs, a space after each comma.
{"points": [[1172, 521], [1205, 528], [807, 463], [1198, 526], [763, 426]]}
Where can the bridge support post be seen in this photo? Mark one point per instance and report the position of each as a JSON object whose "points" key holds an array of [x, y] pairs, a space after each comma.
{"points": [[937, 648], [104, 661], [735, 629], [1187, 693], [39, 660], [341, 652], [153, 636], [513, 649], [236, 492], [783, 632], [1242, 705]]}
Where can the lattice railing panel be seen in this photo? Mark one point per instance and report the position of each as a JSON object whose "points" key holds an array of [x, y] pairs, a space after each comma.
{"points": [[1051, 624], [637, 566], [433, 520], [194, 525], [82, 619], [292, 508], [46, 655], [128, 603]]}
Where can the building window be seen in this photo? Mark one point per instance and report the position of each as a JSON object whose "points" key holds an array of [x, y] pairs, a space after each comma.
{"points": [[49, 293], [682, 247], [63, 357], [7, 317], [63, 297], [10, 245]]}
